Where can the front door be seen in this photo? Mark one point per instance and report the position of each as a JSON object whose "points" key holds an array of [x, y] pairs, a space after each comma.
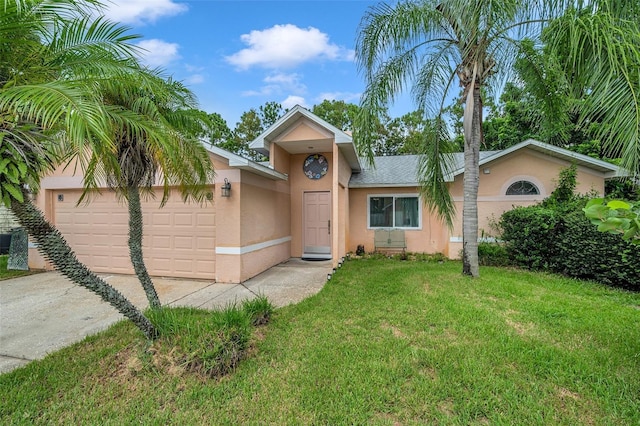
{"points": [[317, 225]]}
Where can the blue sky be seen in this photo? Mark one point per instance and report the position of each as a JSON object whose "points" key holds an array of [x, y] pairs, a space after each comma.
{"points": [[237, 55]]}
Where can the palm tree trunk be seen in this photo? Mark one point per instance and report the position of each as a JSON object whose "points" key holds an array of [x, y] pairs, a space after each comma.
{"points": [[135, 246], [54, 248], [471, 181]]}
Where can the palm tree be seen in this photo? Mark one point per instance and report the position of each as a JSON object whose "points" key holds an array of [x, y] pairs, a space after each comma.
{"points": [[165, 150], [432, 44], [52, 51]]}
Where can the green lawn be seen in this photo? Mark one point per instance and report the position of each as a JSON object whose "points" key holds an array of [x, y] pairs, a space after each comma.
{"points": [[385, 342], [5, 273]]}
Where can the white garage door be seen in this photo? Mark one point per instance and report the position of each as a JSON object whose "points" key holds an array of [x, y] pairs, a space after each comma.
{"points": [[179, 238]]}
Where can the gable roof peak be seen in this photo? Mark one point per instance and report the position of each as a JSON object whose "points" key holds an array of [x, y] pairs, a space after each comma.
{"points": [[610, 170], [342, 139]]}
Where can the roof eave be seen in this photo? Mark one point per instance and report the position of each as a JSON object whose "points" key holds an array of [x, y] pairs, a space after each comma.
{"points": [[349, 151], [236, 161], [609, 170], [384, 185]]}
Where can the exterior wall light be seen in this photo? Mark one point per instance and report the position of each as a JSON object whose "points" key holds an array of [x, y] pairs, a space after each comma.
{"points": [[226, 188]]}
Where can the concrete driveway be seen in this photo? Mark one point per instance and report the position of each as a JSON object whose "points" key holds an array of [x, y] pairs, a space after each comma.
{"points": [[45, 312]]}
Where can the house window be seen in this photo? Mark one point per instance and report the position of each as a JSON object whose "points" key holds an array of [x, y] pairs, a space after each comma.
{"points": [[394, 211], [522, 187]]}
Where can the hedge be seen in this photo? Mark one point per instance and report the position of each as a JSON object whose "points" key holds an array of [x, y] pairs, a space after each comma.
{"points": [[566, 242], [527, 231]]}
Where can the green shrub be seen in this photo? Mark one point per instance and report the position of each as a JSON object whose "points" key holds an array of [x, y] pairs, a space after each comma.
{"points": [[563, 194], [434, 257], [621, 188], [420, 257], [493, 254], [564, 241], [586, 253], [529, 234]]}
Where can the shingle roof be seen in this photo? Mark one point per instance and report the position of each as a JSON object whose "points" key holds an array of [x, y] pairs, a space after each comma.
{"points": [[399, 170]]}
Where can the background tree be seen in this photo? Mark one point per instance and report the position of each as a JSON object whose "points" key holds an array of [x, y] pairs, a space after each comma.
{"points": [[337, 113], [247, 129], [394, 136], [216, 130], [408, 133], [514, 119], [269, 113], [432, 44], [252, 123], [53, 52]]}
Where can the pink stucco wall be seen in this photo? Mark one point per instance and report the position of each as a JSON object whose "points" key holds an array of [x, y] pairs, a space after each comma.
{"points": [[253, 227], [265, 217], [341, 183], [279, 159], [495, 177]]}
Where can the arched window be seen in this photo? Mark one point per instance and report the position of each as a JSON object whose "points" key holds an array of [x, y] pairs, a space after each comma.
{"points": [[522, 187]]}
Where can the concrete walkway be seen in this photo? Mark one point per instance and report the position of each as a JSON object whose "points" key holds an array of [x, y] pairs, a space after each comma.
{"points": [[45, 312]]}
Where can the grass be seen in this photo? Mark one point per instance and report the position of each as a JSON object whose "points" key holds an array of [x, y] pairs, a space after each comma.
{"points": [[5, 274], [208, 343], [385, 342]]}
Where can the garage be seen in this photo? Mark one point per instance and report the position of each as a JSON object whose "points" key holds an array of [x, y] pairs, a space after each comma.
{"points": [[179, 238]]}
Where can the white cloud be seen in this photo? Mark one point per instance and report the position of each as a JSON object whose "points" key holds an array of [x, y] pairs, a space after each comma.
{"points": [[287, 82], [193, 68], [286, 46], [158, 53], [264, 91], [282, 78], [141, 11], [339, 96], [278, 83], [292, 101], [194, 79]]}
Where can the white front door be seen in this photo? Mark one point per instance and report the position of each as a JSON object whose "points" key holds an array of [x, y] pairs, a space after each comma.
{"points": [[317, 225]]}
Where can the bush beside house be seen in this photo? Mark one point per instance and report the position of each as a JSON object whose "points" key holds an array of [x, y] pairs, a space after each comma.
{"points": [[542, 239], [556, 236]]}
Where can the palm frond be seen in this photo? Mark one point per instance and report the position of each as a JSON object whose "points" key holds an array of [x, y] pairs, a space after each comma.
{"points": [[433, 84], [154, 127], [58, 104], [435, 168], [603, 54]]}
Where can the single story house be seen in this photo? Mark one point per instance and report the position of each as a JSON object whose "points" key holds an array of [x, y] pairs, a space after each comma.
{"points": [[314, 199]]}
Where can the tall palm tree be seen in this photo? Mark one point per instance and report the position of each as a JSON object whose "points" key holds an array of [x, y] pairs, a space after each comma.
{"points": [[52, 51], [432, 44], [165, 151]]}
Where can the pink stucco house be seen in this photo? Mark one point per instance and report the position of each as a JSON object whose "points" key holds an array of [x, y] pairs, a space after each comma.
{"points": [[314, 199]]}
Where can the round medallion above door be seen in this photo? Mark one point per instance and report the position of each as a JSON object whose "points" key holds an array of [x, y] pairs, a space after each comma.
{"points": [[315, 166]]}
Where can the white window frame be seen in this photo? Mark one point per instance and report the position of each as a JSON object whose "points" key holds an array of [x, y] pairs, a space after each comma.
{"points": [[527, 194], [531, 179], [395, 195]]}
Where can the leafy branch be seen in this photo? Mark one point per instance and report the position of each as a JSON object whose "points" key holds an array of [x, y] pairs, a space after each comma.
{"points": [[615, 217]]}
